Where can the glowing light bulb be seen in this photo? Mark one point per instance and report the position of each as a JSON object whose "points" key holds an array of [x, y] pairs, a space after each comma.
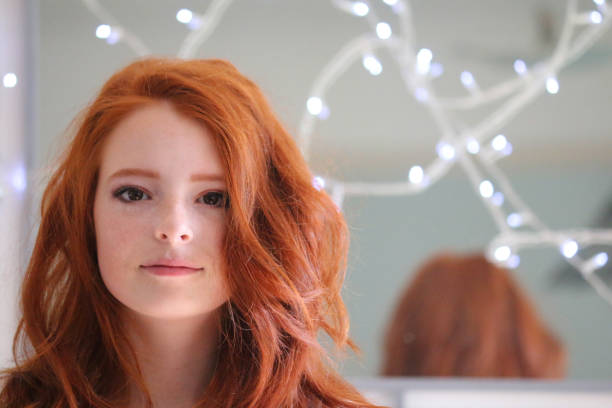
{"points": [[421, 94], [502, 253], [569, 248], [103, 31], [360, 9], [552, 85], [372, 64], [467, 79], [383, 30], [520, 67], [318, 183], [9, 80], [499, 142], [486, 189], [424, 57], [498, 198], [314, 105], [514, 220], [472, 146], [595, 17], [600, 260], [184, 16], [445, 151], [436, 69], [514, 261], [416, 174]]}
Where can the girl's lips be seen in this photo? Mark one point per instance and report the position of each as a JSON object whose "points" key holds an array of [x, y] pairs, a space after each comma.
{"points": [[165, 270]]}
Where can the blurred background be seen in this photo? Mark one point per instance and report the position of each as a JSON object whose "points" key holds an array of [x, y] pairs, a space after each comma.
{"points": [[376, 131]]}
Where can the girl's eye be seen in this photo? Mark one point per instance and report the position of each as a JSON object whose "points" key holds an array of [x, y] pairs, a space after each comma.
{"points": [[215, 199], [130, 194]]}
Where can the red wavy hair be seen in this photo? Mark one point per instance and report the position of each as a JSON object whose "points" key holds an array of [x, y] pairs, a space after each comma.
{"points": [[286, 246], [464, 316]]}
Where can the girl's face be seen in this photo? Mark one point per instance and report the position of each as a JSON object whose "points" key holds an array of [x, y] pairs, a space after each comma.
{"points": [[160, 215]]}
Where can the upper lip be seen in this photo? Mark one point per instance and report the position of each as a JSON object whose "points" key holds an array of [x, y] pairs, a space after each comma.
{"points": [[172, 263]]}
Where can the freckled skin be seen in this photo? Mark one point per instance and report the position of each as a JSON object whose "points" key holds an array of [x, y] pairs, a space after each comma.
{"points": [[163, 217]]}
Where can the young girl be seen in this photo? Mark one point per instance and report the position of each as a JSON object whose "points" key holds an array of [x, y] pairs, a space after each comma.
{"points": [[184, 258]]}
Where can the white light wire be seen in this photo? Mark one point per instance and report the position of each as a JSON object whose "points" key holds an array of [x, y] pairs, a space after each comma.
{"points": [[210, 20], [127, 36]]}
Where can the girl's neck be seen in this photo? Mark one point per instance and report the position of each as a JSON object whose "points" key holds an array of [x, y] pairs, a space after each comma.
{"points": [[177, 357]]}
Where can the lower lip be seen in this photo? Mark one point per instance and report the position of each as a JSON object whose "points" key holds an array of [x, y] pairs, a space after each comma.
{"points": [[170, 271]]}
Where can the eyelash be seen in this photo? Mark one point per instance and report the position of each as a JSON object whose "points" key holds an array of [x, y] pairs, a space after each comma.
{"points": [[223, 199]]}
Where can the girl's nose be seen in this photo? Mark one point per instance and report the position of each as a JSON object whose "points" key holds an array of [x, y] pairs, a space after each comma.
{"points": [[173, 227]]}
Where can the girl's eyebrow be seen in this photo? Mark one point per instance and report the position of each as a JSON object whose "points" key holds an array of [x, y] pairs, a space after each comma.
{"points": [[155, 175]]}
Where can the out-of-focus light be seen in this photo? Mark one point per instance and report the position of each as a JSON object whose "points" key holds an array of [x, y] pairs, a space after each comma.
{"points": [[421, 94], [9, 80], [569, 248], [552, 85], [436, 69], [445, 151], [514, 261], [360, 9], [184, 16], [314, 105], [499, 142], [502, 253], [195, 23], [600, 260], [520, 67], [324, 114], [424, 57], [390, 2], [507, 150], [416, 174], [486, 189], [595, 17], [318, 183], [114, 37], [372, 64], [514, 220], [472, 146], [103, 31], [18, 178], [467, 79], [497, 198], [599, 2], [383, 30]]}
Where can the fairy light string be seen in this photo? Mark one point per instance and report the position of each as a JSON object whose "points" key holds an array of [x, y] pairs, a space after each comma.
{"points": [[468, 147], [476, 149]]}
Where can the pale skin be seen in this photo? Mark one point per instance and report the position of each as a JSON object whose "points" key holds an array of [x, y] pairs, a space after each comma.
{"points": [[159, 211]]}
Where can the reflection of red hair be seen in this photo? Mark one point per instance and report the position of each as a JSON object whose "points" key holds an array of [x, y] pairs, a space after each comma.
{"points": [[463, 316], [285, 248]]}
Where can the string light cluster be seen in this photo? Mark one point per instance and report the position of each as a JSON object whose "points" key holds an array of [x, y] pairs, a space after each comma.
{"points": [[475, 149]]}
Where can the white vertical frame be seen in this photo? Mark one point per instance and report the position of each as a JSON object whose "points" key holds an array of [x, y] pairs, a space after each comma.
{"points": [[17, 115]]}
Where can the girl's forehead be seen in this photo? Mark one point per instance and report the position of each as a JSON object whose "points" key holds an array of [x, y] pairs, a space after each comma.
{"points": [[157, 137]]}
